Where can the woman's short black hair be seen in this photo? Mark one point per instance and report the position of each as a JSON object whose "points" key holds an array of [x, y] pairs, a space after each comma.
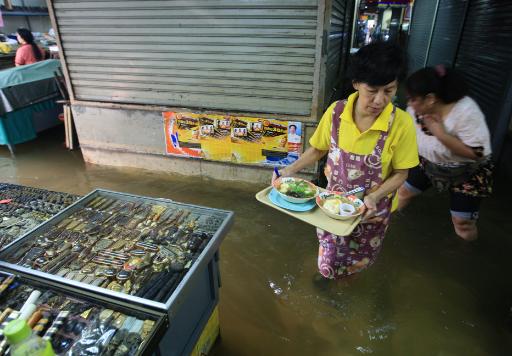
{"points": [[446, 83], [378, 64], [293, 126]]}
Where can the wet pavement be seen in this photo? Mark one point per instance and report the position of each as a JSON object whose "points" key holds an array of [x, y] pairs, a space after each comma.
{"points": [[428, 293]]}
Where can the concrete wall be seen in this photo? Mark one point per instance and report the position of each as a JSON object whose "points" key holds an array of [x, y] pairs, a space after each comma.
{"points": [[135, 138]]}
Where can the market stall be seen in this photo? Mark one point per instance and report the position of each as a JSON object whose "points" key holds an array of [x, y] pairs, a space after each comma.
{"points": [[27, 101], [153, 260]]}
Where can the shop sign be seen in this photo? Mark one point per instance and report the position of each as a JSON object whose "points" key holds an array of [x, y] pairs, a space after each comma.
{"points": [[393, 3], [234, 139]]}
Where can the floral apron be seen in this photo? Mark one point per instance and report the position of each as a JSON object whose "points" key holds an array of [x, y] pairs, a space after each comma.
{"points": [[340, 256]]}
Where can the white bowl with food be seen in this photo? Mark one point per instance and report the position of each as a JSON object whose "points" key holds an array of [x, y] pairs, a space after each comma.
{"points": [[340, 207], [295, 190]]}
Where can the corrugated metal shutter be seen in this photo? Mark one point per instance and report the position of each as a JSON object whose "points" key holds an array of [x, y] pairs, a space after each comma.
{"points": [[338, 45], [335, 45], [230, 55], [447, 30], [423, 16], [485, 55]]}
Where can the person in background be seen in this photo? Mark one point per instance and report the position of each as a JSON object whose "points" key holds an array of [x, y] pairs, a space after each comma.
{"points": [[370, 144], [454, 145], [29, 52]]}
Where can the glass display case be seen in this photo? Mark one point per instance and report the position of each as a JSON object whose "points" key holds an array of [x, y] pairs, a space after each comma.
{"points": [[23, 208], [151, 253], [75, 323]]}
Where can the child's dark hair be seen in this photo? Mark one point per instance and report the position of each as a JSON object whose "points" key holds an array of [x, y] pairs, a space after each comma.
{"points": [[378, 64], [447, 84], [29, 39]]}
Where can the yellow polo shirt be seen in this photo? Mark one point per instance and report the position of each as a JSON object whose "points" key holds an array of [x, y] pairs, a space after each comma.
{"points": [[400, 149]]}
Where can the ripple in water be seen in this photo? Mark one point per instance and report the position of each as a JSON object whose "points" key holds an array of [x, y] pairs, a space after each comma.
{"points": [[364, 350], [275, 288], [380, 332]]}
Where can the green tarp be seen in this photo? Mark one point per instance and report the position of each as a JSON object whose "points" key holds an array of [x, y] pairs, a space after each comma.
{"points": [[26, 85], [28, 73]]}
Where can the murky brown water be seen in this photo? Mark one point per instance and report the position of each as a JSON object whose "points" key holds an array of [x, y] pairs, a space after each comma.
{"points": [[428, 293]]}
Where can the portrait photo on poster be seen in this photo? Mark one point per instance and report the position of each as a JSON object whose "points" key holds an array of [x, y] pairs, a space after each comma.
{"points": [[294, 137]]}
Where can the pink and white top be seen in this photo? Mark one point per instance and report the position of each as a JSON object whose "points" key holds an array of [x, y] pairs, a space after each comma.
{"points": [[465, 121]]}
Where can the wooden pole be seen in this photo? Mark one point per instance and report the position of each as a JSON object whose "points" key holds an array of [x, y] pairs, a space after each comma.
{"points": [[70, 114], [65, 106]]}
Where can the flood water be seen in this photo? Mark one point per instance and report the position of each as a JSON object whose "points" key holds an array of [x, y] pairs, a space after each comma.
{"points": [[428, 293]]}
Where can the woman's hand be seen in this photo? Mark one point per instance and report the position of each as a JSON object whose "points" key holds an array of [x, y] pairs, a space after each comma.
{"points": [[390, 185], [274, 176], [371, 206], [434, 124], [308, 158], [282, 173]]}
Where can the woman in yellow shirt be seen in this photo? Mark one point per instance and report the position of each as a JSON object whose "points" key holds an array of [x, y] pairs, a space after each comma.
{"points": [[370, 144]]}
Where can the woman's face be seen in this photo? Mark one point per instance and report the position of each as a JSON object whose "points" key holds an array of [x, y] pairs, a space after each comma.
{"points": [[420, 105], [20, 40], [373, 99]]}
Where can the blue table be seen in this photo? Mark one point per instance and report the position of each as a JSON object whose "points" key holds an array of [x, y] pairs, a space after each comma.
{"points": [[18, 126], [27, 101]]}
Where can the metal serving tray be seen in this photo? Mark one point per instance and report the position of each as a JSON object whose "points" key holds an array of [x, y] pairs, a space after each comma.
{"points": [[170, 306], [150, 343]]}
